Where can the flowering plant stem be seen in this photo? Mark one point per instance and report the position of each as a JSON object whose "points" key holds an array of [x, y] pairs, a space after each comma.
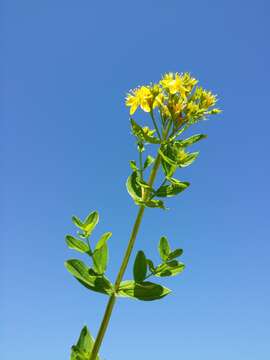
{"points": [[133, 236], [179, 104]]}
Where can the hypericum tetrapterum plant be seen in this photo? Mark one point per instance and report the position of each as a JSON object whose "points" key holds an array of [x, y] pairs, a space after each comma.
{"points": [[174, 104]]}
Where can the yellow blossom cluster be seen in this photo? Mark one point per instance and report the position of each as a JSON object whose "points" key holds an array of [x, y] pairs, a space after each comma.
{"points": [[176, 96]]}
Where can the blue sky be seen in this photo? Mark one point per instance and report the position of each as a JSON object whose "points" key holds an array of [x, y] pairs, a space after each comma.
{"points": [[66, 145]]}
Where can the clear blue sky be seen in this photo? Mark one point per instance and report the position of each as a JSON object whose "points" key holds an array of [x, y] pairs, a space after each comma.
{"points": [[66, 143]]}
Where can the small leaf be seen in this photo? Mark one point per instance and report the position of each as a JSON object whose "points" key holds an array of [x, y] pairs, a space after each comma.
{"points": [[88, 278], [149, 160], [146, 291], [174, 254], [100, 259], [133, 188], [77, 222], [164, 248], [171, 268], [151, 265], [191, 140], [188, 159], [76, 244], [154, 204], [84, 347], [90, 222], [168, 157], [140, 267], [172, 190], [80, 271], [103, 240], [142, 135], [133, 165]]}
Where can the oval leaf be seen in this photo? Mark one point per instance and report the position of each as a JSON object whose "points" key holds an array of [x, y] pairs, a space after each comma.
{"points": [[76, 244], [100, 259], [164, 248], [140, 267], [90, 222], [169, 269], [146, 291], [103, 240]]}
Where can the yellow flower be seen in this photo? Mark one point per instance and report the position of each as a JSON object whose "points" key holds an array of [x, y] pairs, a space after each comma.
{"points": [[174, 83], [142, 97]]}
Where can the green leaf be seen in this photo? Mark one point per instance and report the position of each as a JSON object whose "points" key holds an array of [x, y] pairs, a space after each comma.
{"points": [[90, 222], [133, 165], [168, 156], [188, 159], [149, 160], [140, 267], [191, 140], [174, 254], [142, 135], [88, 278], [100, 259], [154, 204], [84, 347], [172, 190], [151, 265], [103, 240], [164, 248], [146, 291], [171, 268], [77, 222], [133, 188], [76, 244]]}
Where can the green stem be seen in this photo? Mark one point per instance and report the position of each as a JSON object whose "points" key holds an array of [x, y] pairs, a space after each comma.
{"points": [[155, 124], [112, 299], [136, 226]]}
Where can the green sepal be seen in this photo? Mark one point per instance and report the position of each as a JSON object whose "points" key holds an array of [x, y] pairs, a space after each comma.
{"points": [[170, 268], [146, 291], [164, 248], [77, 244], [84, 347], [88, 277], [140, 267], [142, 135]]}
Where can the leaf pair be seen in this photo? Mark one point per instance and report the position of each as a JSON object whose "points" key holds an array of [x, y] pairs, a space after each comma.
{"points": [[87, 277], [175, 188], [92, 278], [174, 155], [88, 225], [142, 135], [135, 188]]}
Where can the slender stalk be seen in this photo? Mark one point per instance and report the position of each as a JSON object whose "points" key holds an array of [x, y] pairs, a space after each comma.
{"points": [[133, 236], [154, 123]]}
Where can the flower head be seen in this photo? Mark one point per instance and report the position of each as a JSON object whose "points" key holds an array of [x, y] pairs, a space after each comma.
{"points": [[140, 97]]}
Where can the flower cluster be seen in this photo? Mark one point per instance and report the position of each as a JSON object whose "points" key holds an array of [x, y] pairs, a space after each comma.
{"points": [[176, 96]]}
